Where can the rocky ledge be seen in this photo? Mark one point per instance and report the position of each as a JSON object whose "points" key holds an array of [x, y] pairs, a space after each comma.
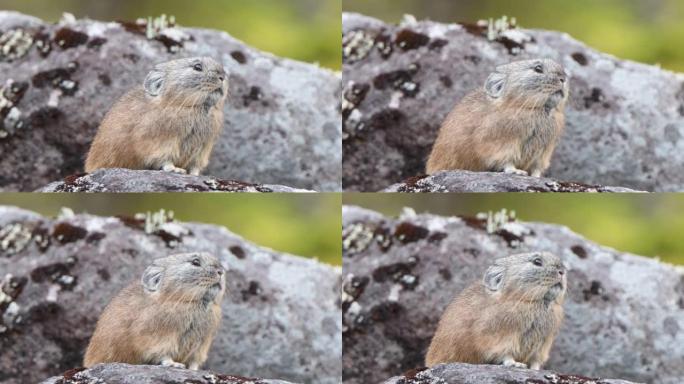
{"points": [[282, 121], [624, 313], [492, 374], [127, 180], [624, 120], [465, 181], [281, 313], [149, 374]]}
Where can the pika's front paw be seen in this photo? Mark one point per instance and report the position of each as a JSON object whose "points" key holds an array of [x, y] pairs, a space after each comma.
{"points": [[513, 363], [195, 171], [173, 168], [515, 171], [193, 367], [535, 366], [171, 363], [536, 173]]}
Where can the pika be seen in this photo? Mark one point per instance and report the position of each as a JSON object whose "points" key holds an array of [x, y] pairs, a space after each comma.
{"points": [[169, 317], [512, 124], [511, 317], [170, 122]]}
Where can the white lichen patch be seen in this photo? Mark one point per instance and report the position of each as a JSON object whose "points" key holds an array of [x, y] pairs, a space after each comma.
{"points": [[67, 19], [12, 310], [495, 28], [14, 44], [394, 293], [497, 220], [357, 45], [14, 238], [12, 120], [356, 237], [408, 20], [66, 213], [154, 220], [395, 99], [408, 213], [53, 291], [154, 26], [439, 223], [5, 298]]}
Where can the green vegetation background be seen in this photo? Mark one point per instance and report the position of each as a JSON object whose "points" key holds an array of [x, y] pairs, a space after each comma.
{"points": [[307, 225], [306, 30], [649, 225], [648, 31]]}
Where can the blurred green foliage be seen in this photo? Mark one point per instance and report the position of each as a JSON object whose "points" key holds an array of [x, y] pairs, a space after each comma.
{"points": [[306, 30], [649, 31], [649, 225], [302, 224]]}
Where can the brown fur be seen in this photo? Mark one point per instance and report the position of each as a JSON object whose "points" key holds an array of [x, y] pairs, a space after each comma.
{"points": [[512, 325], [173, 325], [515, 131], [174, 130]]}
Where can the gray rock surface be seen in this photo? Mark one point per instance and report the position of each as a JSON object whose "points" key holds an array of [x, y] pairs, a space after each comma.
{"points": [[281, 313], [625, 120], [126, 180], [624, 313], [492, 374], [149, 374], [282, 119], [465, 181]]}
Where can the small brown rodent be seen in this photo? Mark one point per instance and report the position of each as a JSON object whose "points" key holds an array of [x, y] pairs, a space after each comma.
{"points": [[170, 122], [512, 124], [511, 317], [169, 317]]}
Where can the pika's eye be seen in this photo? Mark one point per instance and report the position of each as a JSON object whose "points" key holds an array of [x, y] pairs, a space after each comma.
{"points": [[538, 68], [537, 262], [195, 262], [197, 67]]}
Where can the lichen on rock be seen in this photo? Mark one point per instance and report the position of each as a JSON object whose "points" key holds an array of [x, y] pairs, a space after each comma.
{"points": [[275, 303], [129, 180], [619, 307], [282, 121], [619, 130]]}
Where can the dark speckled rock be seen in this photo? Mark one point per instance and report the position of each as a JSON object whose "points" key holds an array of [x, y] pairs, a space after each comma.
{"points": [[625, 120], [150, 374], [282, 118], [126, 180], [624, 313], [281, 314], [492, 374], [465, 181]]}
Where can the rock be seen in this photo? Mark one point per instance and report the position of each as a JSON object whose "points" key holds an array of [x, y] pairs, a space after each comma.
{"points": [[149, 374], [492, 374], [281, 313], [126, 180], [282, 118], [624, 313], [625, 120], [465, 181]]}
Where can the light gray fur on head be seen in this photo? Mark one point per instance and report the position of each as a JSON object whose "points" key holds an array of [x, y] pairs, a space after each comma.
{"points": [[535, 275], [542, 82], [196, 273], [200, 74]]}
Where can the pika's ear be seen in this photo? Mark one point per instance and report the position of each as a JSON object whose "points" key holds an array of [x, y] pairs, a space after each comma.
{"points": [[152, 278], [494, 85], [493, 278], [154, 81]]}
